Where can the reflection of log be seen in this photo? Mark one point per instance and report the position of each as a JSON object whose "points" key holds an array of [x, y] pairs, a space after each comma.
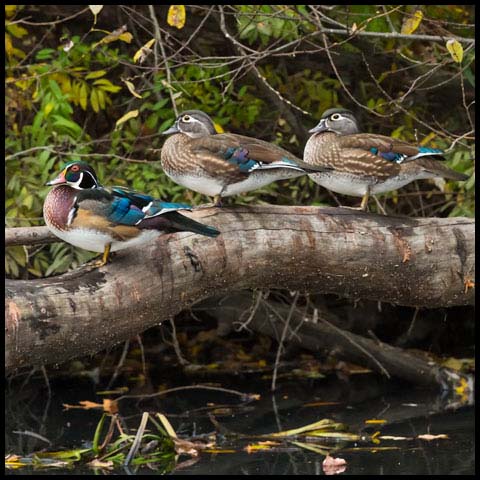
{"points": [[321, 335], [417, 262]]}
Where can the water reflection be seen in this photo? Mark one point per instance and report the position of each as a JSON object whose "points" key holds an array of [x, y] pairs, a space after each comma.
{"points": [[407, 412]]}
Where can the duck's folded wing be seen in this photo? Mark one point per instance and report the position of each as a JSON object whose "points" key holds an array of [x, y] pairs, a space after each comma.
{"points": [[390, 149], [364, 163], [246, 154]]}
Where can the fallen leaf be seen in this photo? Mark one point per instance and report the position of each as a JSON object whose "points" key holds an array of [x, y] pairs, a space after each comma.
{"points": [[429, 437], [84, 405], [375, 421], [99, 464], [260, 446], [469, 283], [333, 466], [110, 406]]}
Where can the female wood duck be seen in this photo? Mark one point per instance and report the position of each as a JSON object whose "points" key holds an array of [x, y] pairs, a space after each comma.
{"points": [[82, 212], [366, 163], [220, 165]]}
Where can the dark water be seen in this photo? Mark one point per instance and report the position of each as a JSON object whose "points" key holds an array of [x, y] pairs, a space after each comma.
{"points": [[409, 412]]}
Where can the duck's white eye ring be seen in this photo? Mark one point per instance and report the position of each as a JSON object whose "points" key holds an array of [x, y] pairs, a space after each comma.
{"points": [[186, 118], [336, 116]]}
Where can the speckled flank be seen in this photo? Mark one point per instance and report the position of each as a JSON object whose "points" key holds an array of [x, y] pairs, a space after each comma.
{"points": [[210, 175], [357, 170]]}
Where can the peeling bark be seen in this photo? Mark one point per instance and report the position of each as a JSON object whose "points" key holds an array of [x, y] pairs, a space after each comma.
{"points": [[417, 262]]}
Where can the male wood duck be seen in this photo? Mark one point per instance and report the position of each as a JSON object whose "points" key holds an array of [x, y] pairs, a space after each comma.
{"points": [[367, 163], [82, 212], [219, 165]]}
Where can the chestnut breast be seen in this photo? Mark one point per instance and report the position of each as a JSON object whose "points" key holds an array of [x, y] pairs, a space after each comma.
{"points": [[57, 206]]}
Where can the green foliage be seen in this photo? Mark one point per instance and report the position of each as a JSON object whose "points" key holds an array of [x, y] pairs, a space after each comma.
{"points": [[64, 95], [268, 22]]}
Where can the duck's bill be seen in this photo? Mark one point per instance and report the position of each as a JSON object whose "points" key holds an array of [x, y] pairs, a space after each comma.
{"points": [[172, 129], [57, 181], [321, 127]]}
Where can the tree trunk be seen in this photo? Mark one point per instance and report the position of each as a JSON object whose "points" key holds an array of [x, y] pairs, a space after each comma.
{"points": [[425, 262]]}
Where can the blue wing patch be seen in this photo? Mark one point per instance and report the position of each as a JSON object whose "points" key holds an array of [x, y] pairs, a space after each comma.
{"points": [[239, 156], [400, 157], [125, 212]]}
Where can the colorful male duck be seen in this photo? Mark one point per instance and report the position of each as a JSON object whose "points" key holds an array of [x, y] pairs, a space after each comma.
{"points": [[82, 212], [366, 163], [220, 165]]}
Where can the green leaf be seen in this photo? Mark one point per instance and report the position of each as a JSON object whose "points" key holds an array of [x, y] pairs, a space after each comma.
{"points": [[44, 54], [70, 125], [97, 74]]}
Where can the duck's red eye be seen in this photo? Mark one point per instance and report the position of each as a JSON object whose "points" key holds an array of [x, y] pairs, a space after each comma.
{"points": [[75, 168]]}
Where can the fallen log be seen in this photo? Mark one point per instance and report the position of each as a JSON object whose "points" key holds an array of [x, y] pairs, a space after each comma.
{"points": [[318, 333], [424, 262]]}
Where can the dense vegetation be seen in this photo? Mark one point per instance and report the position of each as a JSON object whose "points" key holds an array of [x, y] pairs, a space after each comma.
{"points": [[95, 85]]}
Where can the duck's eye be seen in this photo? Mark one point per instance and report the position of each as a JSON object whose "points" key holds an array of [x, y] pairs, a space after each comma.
{"points": [[336, 116], [186, 118], [74, 168]]}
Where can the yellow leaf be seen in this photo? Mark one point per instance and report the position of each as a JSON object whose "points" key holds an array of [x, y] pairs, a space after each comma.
{"points": [[218, 128], [131, 88], [427, 139], [127, 116], [10, 10], [456, 50], [8, 45], [142, 53], [94, 100], [176, 16], [83, 96], [126, 37], [16, 30], [95, 9], [118, 34], [97, 74], [48, 108], [166, 425], [412, 23], [375, 421]]}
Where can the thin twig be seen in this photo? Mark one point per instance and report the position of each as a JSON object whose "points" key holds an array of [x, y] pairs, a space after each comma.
{"points": [[282, 338], [158, 35], [245, 396], [349, 338], [176, 345], [120, 364]]}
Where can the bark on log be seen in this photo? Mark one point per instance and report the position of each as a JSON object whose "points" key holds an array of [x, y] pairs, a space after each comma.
{"points": [[416, 262]]}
